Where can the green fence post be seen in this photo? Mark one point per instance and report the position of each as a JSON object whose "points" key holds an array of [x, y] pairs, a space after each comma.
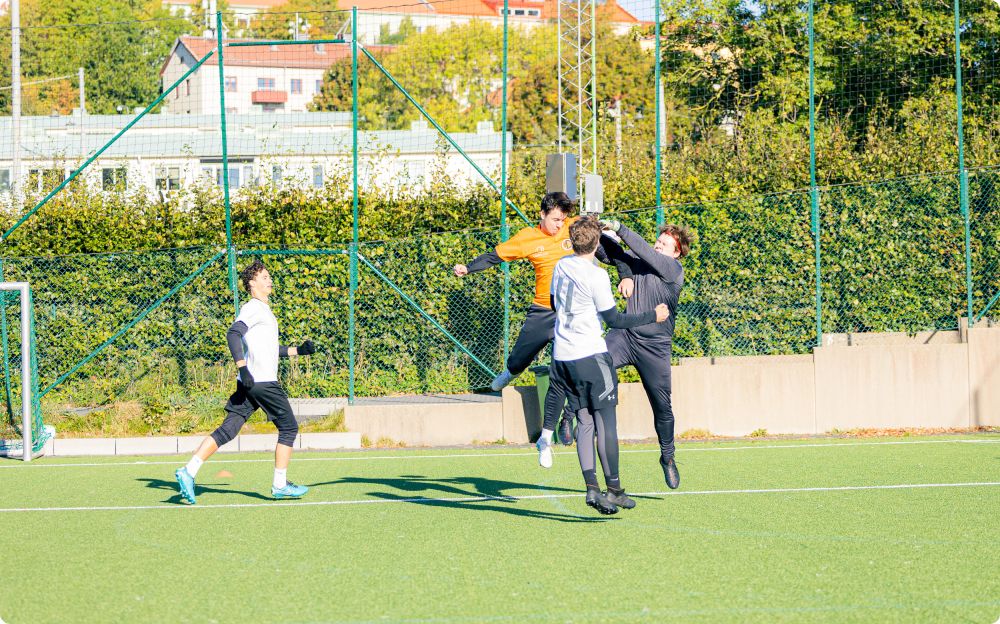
{"points": [[813, 190], [659, 104], [503, 190], [351, 336], [963, 174], [230, 252]]}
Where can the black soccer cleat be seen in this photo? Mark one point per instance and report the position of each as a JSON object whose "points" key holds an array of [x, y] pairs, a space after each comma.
{"points": [[619, 498], [565, 431], [600, 502], [670, 474]]}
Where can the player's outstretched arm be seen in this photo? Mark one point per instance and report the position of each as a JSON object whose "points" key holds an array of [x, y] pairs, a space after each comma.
{"points": [[306, 348], [610, 252], [613, 318], [234, 338], [479, 263], [666, 267]]}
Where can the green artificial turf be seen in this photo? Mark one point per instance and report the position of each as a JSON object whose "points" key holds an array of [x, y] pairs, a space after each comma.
{"points": [[387, 552]]}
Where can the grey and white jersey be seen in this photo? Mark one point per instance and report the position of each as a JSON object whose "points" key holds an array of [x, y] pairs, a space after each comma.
{"points": [[580, 290]]}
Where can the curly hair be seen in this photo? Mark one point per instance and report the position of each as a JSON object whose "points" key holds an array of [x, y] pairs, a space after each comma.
{"points": [[252, 270]]}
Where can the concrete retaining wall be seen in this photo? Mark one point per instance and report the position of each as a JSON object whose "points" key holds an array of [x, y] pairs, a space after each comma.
{"points": [[933, 381]]}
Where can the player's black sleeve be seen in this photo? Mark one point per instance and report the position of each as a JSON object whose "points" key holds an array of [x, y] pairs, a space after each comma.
{"points": [[234, 338], [666, 267], [483, 262], [613, 318], [622, 259]]}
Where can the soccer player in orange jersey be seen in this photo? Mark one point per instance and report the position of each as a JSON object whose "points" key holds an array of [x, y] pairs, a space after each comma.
{"points": [[543, 245]]}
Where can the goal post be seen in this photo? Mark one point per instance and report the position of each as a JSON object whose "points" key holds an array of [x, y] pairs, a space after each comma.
{"points": [[29, 435]]}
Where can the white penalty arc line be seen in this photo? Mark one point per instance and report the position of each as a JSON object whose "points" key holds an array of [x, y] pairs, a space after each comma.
{"points": [[362, 457], [508, 499]]}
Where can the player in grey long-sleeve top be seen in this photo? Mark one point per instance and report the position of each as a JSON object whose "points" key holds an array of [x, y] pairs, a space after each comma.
{"points": [[657, 277]]}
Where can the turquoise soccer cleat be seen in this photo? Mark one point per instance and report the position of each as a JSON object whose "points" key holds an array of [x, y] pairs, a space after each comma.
{"points": [[289, 491], [186, 482]]}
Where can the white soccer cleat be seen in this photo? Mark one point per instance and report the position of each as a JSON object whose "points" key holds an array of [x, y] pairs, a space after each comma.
{"points": [[500, 381], [544, 452]]}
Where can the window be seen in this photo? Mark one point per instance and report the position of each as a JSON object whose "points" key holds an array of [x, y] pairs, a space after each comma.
{"points": [[296, 85], [519, 12], [534, 12], [234, 176], [4, 179], [276, 174], [230, 84], [265, 84], [46, 179], [168, 178], [187, 87], [318, 176], [319, 86], [114, 178]]}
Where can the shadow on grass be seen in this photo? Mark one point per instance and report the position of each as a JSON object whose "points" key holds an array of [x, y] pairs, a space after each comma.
{"points": [[199, 488], [485, 493]]}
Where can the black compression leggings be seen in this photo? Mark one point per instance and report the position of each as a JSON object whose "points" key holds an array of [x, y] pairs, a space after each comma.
{"points": [[603, 425]]}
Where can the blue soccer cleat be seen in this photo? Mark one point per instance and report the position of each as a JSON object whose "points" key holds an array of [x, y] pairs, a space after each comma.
{"points": [[186, 482], [289, 491]]}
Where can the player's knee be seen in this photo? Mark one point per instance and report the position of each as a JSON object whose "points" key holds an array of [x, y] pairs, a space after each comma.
{"points": [[288, 429], [226, 432]]}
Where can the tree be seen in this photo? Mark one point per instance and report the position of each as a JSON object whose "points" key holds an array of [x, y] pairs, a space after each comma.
{"points": [[121, 45], [318, 19]]}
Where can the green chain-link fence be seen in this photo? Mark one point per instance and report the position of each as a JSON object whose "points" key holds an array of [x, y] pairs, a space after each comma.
{"points": [[832, 160]]}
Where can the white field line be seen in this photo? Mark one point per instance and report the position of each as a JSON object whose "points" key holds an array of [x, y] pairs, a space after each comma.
{"points": [[475, 499], [364, 457]]}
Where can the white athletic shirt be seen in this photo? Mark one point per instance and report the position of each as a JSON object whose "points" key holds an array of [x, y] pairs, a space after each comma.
{"points": [[260, 344], [581, 290]]}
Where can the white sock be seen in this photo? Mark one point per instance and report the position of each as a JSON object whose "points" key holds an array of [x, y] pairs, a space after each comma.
{"points": [[194, 465], [280, 478], [547, 435]]}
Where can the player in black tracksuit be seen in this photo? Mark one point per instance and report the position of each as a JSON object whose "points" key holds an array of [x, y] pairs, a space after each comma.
{"points": [[658, 278]]}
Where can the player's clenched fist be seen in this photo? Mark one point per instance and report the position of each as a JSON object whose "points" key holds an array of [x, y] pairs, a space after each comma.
{"points": [[461, 270], [662, 313]]}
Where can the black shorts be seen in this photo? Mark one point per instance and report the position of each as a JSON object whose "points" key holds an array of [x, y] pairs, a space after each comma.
{"points": [[589, 383], [267, 396]]}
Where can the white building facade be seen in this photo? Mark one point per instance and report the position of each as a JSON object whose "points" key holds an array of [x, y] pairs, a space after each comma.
{"points": [[257, 79], [166, 154]]}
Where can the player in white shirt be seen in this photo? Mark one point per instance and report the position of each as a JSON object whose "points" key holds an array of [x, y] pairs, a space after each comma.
{"points": [[582, 298], [253, 343]]}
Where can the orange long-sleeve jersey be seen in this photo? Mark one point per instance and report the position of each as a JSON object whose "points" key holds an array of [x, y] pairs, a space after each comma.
{"points": [[543, 251]]}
